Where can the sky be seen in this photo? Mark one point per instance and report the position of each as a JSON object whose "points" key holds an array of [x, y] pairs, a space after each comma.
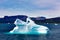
{"points": [[32, 8]]}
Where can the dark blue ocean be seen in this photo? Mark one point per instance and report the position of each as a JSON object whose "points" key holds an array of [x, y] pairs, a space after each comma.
{"points": [[54, 33]]}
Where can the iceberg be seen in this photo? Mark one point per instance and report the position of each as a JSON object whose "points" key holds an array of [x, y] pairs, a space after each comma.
{"points": [[28, 27]]}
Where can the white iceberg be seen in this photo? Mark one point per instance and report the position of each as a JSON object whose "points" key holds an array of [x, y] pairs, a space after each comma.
{"points": [[28, 27]]}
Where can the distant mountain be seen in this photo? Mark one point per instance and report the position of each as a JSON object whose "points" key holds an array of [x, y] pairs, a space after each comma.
{"points": [[50, 20], [38, 18], [11, 19], [54, 20]]}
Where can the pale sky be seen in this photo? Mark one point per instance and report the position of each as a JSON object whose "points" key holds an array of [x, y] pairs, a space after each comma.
{"points": [[47, 8]]}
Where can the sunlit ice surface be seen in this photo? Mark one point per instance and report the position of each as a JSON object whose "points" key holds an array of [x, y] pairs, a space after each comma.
{"points": [[28, 27]]}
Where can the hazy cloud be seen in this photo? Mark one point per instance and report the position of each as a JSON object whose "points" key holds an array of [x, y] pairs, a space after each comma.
{"points": [[48, 8]]}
